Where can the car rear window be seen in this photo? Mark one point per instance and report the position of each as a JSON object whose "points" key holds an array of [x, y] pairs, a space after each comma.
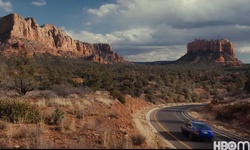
{"points": [[201, 126]]}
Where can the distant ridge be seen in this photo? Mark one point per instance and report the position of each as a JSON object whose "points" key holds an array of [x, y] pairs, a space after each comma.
{"points": [[155, 63]]}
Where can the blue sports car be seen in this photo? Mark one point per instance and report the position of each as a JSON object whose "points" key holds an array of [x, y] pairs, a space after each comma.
{"points": [[197, 129]]}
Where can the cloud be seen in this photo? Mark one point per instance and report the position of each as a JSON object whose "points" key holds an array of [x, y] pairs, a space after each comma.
{"points": [[152, 53], [39, 2], [243, 48], [86, 23], [177, 13], [121, 40], [103, 10], [129, 36], [6, 6], [146, 29]]}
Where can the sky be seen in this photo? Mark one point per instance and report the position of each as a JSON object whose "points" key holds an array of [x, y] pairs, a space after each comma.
{"points": [[143, 30]]}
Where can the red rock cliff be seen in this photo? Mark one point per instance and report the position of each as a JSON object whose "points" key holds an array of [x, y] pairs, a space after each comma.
{"points": [[210, 51], [18, 33], [212, 45]]}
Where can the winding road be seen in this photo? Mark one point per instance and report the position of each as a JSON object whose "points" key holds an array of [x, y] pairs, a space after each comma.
{"points": [[168, 120]]}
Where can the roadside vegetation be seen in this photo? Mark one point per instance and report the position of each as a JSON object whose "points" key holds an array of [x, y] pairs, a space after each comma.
{"points": [[156, 84], [46, 93]]}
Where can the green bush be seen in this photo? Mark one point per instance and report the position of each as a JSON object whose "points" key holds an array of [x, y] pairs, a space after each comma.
{"points": [[247, 86], [137, 139], [15, 111], [195, 97], [3, 125], [240, 107], [209, 107], [55, 118], [117, 94], [223, 115], [228, 112]]}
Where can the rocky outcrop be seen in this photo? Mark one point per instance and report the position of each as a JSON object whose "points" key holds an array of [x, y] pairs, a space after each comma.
{"points": [[212, 45], [210, 51], [17, 33]]}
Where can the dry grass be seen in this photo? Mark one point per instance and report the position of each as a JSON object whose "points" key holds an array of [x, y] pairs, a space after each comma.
{"points": [[25, 131], [62, 102], [89, 122], [68, 125], [109, 141], [92, 124], [45, 113], [137, 139], [3, 144]]}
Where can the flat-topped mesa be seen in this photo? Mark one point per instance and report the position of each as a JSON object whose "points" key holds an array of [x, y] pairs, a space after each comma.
{"points": [[202, 51], [17, 32], [212, 45]]}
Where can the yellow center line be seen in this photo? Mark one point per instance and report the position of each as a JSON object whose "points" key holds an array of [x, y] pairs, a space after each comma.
{"points": [[169, 132]]}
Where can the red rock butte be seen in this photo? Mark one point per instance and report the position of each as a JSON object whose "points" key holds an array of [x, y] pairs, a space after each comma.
{"points": [[212, 45], [17, 33], [219, 51]]}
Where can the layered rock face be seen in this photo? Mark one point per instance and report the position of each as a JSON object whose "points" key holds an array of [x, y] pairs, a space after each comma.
{"points": [[211, 51], [212, 45], [17, 33]]}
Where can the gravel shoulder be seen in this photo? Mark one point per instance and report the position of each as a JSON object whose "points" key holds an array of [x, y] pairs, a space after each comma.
{"points": [[141, 123]]}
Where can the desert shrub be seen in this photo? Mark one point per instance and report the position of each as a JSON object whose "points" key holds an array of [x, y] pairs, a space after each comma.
{"points": [[247, 86], [80, 114], [68, 125], [24, 84], [3, 144], [26, 132], [195, 97], [138, 92], [209, 107], [220, 96], [55, 118], [241, 107], [205, 95], [117, 94], [15, 111], [64, 90], [150, 98], [113, 115], [93, 124], [22, 70], [137, 139], [227, 113], [108, 140], [223, 114], [3, 125], [214, 101], [213, 91], [47, 94]]}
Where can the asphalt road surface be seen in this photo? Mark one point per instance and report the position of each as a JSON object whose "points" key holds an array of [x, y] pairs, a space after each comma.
{"points": [[167, 121]]}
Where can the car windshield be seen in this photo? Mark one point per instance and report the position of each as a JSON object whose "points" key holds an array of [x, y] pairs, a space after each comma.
{"points": [[200, 126]]}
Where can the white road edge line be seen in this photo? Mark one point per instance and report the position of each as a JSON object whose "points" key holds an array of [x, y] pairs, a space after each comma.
{"points": [[171, 146]]}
